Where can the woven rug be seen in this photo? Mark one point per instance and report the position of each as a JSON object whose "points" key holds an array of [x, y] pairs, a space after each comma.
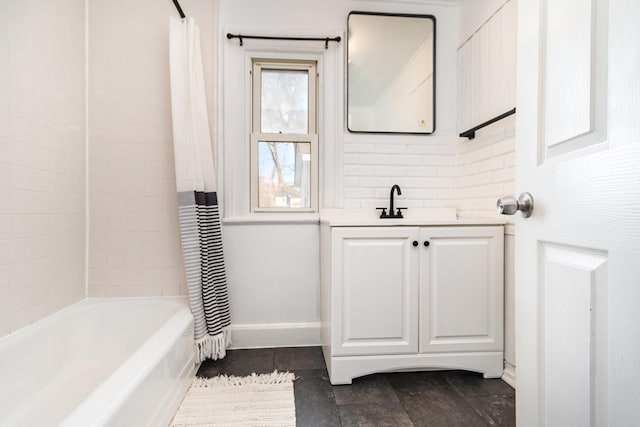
{"points": [[255, 400]]}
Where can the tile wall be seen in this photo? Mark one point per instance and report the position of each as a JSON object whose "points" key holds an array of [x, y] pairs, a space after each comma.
{"points": [[486, 169], [42, 159], [424, 167], [135, 244]]}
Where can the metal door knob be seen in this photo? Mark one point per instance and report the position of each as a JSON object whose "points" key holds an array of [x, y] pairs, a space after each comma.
{"points": [[509, 205]]}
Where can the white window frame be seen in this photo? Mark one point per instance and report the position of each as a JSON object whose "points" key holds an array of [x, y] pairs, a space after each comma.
{"points": [[257, 136]]}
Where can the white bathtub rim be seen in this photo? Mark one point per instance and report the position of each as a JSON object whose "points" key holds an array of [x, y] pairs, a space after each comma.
{"points": [[37, 325], [99, 406], [127, 373]]}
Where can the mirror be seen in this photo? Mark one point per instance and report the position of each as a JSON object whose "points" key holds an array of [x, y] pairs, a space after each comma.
{"points": [[390, 73]]}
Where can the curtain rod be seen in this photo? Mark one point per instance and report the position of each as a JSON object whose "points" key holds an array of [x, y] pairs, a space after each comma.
{"points": [[326, 40], [177, 5], [471, 133]]}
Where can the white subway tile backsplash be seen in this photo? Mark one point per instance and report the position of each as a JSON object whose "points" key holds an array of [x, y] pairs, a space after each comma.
{"points": [[419, 168], [376, 181], [391, 148], [351, 181], [375, 159], [360, 193], [485, 170], [424, 149], [392, 171], [509, 160], [356, 169], [426, 171], [450, 149], [503, 147], [475, 180], [406, 160], [506, 175]]}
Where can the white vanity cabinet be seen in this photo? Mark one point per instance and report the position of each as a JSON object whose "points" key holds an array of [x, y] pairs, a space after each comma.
{"points": [[411, 298]]}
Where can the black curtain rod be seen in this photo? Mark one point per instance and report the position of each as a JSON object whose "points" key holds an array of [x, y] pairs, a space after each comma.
{"points": [[326, 40], [177, 5], [471, 133]]}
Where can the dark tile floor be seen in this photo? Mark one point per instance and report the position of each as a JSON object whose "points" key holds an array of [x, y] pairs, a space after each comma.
{"points": [[437, 398]]}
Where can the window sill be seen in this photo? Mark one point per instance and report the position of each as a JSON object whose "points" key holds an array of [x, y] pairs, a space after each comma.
{"points": [[270, 218]]}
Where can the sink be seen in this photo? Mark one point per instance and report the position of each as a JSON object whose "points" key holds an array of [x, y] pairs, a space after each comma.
{"points": [[368, 217]]}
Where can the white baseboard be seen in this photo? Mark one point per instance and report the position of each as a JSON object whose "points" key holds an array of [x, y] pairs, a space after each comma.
{"points": [[275, 335], [509, 375]]}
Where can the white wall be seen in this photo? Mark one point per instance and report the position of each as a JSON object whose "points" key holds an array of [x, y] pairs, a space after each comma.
{"points": [[486, 80], [474, 14], [273, 268], [135, 241], [42, 149]]}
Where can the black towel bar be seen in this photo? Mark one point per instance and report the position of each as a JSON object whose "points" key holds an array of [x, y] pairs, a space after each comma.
{"points": [[471, 133]]}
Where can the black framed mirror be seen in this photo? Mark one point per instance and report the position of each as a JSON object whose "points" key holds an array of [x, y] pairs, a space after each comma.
{"points": [[391, 73]]}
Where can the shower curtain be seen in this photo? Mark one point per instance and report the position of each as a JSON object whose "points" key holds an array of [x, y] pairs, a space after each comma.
{"points": [[197, 198]]}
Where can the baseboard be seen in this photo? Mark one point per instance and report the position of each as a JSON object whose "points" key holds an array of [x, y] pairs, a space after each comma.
{"points": [[509, 375], [275, 335]]}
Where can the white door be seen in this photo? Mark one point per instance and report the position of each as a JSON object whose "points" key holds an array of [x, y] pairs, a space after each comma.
{"points": [[461, 289], [375, 299], [578, 256]]}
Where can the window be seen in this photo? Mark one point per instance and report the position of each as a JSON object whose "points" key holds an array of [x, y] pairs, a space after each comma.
{"points": [[284, 137]]}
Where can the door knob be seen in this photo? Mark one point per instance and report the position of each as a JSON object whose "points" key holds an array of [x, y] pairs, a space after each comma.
{"points": [[509, 205]]}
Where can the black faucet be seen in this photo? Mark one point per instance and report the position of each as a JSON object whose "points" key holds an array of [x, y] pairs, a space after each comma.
{"points": [[392, 213]]}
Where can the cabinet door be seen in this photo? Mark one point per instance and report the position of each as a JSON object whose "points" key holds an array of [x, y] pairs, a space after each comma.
{"points": [[461, 289], [375, 290]]}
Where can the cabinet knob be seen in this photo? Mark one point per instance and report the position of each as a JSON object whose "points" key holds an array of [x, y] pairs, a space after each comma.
{"points": [[426, 243], [415, 243]]}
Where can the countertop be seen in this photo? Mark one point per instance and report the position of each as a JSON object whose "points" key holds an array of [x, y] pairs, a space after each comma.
{"points": [[412, 217]]}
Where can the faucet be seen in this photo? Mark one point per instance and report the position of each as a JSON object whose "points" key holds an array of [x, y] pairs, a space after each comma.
{"points": [[392, 213]]}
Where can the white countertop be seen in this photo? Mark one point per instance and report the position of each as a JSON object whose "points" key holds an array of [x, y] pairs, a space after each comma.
{"points": [[412, 216]]}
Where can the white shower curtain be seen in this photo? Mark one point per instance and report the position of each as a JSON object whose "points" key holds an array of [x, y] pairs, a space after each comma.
{"points": [[197, 198]]}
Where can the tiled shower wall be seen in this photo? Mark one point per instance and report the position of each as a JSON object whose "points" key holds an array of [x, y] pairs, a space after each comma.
{"points": [[134, 236], [42, 159]]}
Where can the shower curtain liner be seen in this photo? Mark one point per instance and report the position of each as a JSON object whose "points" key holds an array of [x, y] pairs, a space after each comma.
{"points": [[197, 198]]}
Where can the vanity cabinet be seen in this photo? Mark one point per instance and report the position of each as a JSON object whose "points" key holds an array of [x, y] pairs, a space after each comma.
{"points": [[411, 298]]}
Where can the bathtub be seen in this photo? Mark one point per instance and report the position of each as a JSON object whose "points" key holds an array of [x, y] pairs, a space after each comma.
{"points": [[100, 362]]}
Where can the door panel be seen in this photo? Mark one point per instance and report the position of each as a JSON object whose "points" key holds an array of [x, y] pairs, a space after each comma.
{"points": [[573, 61], [461, 296], [573, 338], [568, 78], [376, 302], [578, 255]]}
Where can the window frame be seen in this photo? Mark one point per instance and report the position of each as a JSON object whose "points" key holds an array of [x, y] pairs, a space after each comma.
{"points": [[310, 137]]}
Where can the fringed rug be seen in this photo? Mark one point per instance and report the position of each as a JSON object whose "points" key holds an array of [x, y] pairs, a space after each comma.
{"points": [[255, 400]]}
